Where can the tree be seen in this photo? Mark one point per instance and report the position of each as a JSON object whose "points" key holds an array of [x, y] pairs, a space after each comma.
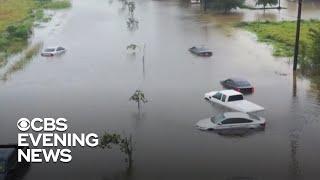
{"points": [[264, 3], [315, 46], [138, 97], [225, 5], [131, 8], [125, 144], [132, 48], [132, 22]]}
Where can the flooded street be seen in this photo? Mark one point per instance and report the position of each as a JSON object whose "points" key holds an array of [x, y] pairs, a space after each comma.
{"points": [[91, 85]]}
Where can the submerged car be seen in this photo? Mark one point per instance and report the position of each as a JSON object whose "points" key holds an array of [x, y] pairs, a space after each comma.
{"points": [[195, 1], [232, 120], [238, 84], [201, 51], [234, 101], [52, 51]]}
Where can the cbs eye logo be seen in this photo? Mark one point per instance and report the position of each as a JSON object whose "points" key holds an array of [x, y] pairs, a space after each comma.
{"points": [[23, 124], [45, 124]]}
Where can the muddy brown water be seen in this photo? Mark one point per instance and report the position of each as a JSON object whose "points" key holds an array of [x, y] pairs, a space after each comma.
{"points": [[91, 84]]}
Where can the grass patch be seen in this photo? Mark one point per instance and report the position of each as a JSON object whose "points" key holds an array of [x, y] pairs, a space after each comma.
{"points": [[57, 4], [13, 11], [281, 35], [17, 18]]}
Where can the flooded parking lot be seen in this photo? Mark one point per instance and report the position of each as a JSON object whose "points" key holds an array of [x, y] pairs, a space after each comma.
{"points": [[91, 85]]}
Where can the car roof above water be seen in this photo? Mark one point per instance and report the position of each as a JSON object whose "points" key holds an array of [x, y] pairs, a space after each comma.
{"points": [[237, 79], [201, 49], [53, 47], [230, 92], [236, 115]]}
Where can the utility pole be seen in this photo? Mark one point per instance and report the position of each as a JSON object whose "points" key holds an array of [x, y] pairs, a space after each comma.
{"points": [[296, 48], [204, 5]]}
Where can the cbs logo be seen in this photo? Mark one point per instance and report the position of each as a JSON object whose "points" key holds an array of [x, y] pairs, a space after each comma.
{"points": [[45, 124]]}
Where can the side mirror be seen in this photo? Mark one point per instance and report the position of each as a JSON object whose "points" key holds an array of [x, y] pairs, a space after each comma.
{"points": [[219, 123]]}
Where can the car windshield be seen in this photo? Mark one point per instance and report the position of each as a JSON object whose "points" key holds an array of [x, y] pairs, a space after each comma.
{"points": [[49, 50], [217, 119], [2, 167], [243, 83]]}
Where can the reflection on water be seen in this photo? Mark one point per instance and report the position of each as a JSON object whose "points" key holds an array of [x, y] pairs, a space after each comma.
{"points": [[294, 84], [315, 87], [26, 57], [121, 175], [267, 16]]}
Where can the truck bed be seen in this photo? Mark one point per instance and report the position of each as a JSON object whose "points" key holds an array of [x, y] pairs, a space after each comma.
{"points": [[244, 106]]}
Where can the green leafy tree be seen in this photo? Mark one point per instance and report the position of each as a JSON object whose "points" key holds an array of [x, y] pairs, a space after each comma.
{"points": [[138, 97], [125, 144], [20, 31], [225, 5], [315, 47], [265, 3]]}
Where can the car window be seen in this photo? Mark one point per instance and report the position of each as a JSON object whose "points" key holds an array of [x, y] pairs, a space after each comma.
{"points": [[223, 98], [49, 50], [217, 119], [235, 98], [228, 81], [228, 121], [60, 48], [243, 83], [236, 121], [2, 167], [217, 95], [242, 120]]}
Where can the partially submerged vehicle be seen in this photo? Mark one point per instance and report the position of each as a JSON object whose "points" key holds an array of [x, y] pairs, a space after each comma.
{"points": [[195, 1], [52, 51], [201, 51], [238, 84], [9, 160], [234, 101], [231, 121]]}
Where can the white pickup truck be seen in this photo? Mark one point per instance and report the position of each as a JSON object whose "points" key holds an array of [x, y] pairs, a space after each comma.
{"points": [[233, 100]]}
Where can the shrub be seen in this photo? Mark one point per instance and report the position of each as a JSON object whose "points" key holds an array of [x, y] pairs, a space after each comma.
{"points": [[315, 46], [3, 43], [61, 4], [18, 31]]}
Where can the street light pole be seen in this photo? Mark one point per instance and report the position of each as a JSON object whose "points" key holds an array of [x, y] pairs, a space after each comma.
{"points": [[296, 48]]}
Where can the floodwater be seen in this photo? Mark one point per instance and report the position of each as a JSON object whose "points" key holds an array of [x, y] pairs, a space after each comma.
{"points": [[91, 84]]}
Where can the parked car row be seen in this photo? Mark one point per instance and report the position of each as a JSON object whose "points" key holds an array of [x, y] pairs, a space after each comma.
{"points": [[244, 114]]}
